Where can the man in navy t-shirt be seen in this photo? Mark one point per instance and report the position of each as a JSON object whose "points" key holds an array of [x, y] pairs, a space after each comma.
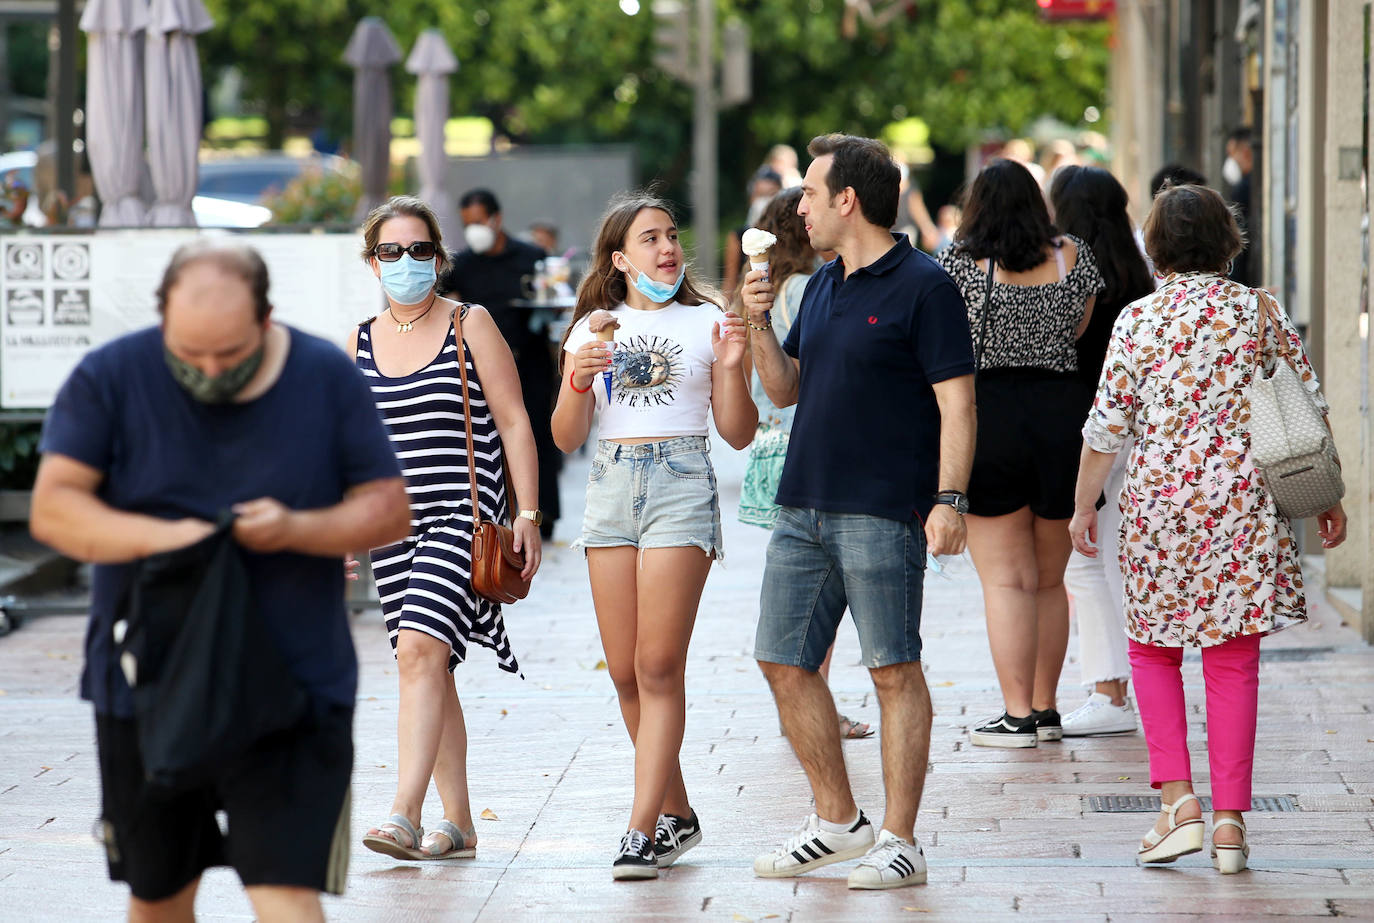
{"points": [[880, 365], [151, 438]]}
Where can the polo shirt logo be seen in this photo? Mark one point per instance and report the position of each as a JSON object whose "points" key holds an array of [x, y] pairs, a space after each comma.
{"points": [[873, 319]]}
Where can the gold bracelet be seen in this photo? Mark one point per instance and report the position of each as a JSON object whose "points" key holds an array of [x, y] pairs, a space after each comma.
{"points": [[754, 326]]}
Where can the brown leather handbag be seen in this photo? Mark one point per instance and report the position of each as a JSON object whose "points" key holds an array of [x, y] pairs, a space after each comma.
{"points": [[496, 565]]}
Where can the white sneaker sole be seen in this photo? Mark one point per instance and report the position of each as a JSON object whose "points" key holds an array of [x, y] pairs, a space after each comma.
{"points": [[1003, 741], [1044, 734], [1104, 732], [793, 871], [634, 872], [918, 879]]}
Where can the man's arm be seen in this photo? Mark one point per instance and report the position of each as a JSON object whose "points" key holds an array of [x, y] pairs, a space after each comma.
{"points": [[779, 372], [945, 532], [68, 516], [371, 514]]}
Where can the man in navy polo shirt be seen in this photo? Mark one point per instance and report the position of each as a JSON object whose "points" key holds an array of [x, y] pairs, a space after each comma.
{"points": [[880, 365]]}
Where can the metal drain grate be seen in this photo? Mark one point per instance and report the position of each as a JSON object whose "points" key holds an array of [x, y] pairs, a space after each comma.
{"points": [[1149, 804]]}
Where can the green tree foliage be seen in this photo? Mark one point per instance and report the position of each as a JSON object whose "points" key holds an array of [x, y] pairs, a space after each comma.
{"points": [[571, 71]]}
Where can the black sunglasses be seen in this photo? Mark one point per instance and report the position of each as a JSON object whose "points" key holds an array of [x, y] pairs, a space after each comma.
{"points": [[420, 250]]}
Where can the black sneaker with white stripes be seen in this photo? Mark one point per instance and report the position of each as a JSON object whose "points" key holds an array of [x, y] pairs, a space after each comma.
{"points": [[891, 863], [1048, 725], [1005, 731], [636, 858], [812, 846], [674, 836]]}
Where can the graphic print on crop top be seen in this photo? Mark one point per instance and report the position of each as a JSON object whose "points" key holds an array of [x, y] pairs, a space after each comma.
{"points": [[648, 371]]}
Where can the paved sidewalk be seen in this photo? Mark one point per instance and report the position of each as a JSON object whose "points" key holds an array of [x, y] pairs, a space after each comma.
{"points": [[1008, 834]]}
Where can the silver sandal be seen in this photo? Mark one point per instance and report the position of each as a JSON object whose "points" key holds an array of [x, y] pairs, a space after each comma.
{"points": [[392, 846], [462, 843]]}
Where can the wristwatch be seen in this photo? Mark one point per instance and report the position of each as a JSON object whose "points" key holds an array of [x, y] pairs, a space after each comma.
{"points": [[955, 498], [534, 516]]}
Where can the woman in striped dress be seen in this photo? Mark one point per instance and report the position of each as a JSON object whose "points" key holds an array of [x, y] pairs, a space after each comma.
{"points": [[410, 355]]}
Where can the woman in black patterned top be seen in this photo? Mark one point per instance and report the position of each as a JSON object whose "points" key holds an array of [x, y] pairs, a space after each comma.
{"points": [[1029, 412]]}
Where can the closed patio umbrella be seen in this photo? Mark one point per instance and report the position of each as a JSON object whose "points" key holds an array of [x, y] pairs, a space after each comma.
{"points": [[173, 94], [114, 106], [371, 52], [432, 60]]}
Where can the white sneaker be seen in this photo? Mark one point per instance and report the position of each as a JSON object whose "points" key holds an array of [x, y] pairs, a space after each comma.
{"points": [[1099, 716], [891, 863], [811, 847]]}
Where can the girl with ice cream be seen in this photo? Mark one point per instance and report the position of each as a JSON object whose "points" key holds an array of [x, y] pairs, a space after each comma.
{"points": [[652, 524]]}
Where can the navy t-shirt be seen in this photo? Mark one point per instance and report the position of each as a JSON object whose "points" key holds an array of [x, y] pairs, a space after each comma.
{"points": [[311, 437], [866, 435]]}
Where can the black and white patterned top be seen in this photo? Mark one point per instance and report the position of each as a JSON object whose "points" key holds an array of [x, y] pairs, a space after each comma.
{"points": [[1030, 326]]}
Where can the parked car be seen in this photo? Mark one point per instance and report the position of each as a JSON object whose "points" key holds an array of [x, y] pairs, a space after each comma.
{"points": [[227, 194]]}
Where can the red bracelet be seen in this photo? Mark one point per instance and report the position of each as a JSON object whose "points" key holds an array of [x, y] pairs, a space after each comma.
{"points": [[574, 386]]}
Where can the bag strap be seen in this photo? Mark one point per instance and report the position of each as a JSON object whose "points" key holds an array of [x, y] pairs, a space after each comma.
{"points": [[983, 324], [1266, 317], [467, 415], [467, 426]]}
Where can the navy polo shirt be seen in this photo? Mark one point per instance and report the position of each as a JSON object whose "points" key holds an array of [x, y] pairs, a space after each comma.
{"points": [[866, 436], [313, 435]]}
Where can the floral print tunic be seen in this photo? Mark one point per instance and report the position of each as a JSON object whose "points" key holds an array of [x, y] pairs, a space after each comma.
{"points": [[1204, 553]]}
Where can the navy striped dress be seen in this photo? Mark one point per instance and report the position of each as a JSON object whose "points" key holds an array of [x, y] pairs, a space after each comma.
{"points": [[425, 581]]}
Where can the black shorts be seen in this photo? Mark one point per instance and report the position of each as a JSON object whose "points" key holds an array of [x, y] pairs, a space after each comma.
{"points": [[286, 800], [1029, 437]]}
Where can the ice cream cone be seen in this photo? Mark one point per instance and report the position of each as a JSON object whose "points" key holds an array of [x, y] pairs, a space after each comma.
{"points": [[607, 335]]}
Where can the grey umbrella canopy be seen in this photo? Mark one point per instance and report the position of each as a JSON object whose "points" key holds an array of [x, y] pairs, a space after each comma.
{"points": [[173, 93], [371, 52], [433, 61], [114, 106]]}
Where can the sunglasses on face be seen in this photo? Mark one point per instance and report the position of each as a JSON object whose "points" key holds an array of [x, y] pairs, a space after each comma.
{"points": [[420, 250]]}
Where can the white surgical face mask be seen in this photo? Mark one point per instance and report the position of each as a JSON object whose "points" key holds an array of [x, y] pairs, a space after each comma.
{"points": [[480, 237], [1231, 172]]}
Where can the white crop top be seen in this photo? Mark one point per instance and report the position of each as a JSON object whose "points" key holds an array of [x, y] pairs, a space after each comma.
{"points": [[660, 371]]}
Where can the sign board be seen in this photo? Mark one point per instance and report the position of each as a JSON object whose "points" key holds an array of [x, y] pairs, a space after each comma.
{"points": [[62, 296]]}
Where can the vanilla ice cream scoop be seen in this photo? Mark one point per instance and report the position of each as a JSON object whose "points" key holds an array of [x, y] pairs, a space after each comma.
{"points": [[756, 242]]}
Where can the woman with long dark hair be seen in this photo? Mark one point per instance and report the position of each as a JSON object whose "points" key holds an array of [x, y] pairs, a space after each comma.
{"points": [[652, 525], [1090, 204], [1030, 292]]}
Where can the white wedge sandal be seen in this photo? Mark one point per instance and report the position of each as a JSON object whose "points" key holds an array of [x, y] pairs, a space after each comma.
{"points": [[1227, 858], [1181, 839]]}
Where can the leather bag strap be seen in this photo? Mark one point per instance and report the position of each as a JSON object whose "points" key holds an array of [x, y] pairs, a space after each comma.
{"points": [[1267, 317], [467, 415]]}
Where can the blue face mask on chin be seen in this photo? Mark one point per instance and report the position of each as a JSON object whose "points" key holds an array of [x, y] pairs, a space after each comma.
{"points": [[657, 292], [408, 280]]}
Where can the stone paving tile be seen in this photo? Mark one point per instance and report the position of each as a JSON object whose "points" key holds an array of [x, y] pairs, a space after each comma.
{"points": [[1008, 834]]}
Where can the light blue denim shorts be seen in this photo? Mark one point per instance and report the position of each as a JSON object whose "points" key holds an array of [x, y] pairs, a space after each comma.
{"points": [[656, 495]]}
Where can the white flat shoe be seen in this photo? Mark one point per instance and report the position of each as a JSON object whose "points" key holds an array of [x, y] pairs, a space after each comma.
{"points": [[1181, 839], [1227, 858]]}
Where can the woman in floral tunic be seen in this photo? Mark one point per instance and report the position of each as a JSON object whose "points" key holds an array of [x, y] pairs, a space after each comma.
{"points": [[1207, 560]]}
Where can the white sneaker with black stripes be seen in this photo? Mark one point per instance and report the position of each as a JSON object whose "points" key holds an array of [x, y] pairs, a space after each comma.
{"points": [[811, 847], [891, 863]]}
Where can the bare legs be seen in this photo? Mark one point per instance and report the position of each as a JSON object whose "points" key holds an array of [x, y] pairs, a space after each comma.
{"points": [[809, 718], [1020, 560], [646, 606], [1114, 689], [271, 904], [432, 739]]}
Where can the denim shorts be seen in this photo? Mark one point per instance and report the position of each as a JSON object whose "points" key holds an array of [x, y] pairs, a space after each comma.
{"points": [[655, 495], [819, 563]]}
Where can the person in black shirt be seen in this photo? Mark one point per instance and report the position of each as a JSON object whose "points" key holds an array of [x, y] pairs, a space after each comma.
{"points": [[491, 272]]}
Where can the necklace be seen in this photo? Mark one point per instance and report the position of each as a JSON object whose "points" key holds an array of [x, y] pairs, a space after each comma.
{"points": [[408, 325]]}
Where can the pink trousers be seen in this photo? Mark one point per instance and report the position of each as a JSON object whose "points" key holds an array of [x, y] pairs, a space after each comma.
{"points": [[1230, 672]]}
